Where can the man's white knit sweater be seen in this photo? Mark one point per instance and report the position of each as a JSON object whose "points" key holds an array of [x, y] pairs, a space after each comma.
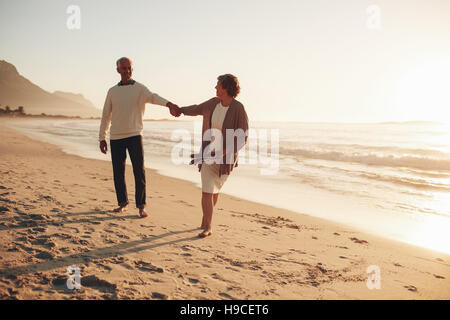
{"points": [[124, 108]]}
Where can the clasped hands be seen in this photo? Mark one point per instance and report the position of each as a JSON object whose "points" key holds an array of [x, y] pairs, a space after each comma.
{"points": [[174, 109]]}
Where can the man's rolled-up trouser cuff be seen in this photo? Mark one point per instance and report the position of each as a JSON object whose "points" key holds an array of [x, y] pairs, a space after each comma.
{"points": [[142, 206]]}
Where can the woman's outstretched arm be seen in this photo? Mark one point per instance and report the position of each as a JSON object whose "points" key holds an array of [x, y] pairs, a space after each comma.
{"points": [[197, 109]]}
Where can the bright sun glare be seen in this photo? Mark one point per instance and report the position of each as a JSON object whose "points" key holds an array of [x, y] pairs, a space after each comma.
{"points": [[432, 233], [423, 93]]}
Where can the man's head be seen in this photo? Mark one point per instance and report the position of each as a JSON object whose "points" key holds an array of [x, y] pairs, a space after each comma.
{"points": [[125, 68]]}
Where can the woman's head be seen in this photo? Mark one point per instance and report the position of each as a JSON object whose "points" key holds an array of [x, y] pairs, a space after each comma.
{"points": [[228, 84]]}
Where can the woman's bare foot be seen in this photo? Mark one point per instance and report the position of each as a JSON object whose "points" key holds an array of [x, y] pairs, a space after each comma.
{"points": [[205, 233], [121, 209], [142, 213]]}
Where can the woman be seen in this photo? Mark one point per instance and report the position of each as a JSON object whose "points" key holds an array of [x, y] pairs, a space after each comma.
{"points": [[220, 113]]}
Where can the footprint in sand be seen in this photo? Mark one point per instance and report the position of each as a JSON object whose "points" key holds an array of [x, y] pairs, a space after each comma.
{"points": [[28, 223], [320, 268], [127, 266], [185, 203], [105, 267], [45, 255], [109, 241], [356, 240], [94, 282], [65, 250], [411, 288], [39, 229], [60, 282], [63, 236], [80, 241], [146, 266], [226, 295], [157, 295], [438, 276], [44, 242], [185, 248]]}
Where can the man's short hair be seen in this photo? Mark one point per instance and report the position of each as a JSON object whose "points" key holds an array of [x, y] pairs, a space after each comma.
{"points": [[230, 83], [121, 59]]}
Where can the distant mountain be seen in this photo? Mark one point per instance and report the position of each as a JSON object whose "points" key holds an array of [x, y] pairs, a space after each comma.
{"points": [[16, 90], [78, 98]]}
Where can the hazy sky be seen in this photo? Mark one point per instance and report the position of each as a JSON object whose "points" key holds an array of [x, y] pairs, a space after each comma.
{"points": [[296, 60]]}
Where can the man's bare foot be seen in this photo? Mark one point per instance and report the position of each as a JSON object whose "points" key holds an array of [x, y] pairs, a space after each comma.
{"points": [[121, 209], [205, 233], [142, 213]]}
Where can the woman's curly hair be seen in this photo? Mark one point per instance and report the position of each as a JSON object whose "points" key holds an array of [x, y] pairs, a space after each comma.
{"points": [[230, 83]]}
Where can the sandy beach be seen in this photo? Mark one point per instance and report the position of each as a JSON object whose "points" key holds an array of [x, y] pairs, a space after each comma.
{"points": [[55, 212]]}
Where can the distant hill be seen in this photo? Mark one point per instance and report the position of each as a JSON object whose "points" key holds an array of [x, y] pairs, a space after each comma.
{"points": [[78, 98], [16, 90]]}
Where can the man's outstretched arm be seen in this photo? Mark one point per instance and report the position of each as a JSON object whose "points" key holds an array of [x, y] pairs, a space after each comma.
{"points": [[154, 98]]}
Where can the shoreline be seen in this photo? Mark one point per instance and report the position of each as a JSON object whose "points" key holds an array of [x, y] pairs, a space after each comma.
{"points": [[256, 251], [62, 117], [337, 209]]}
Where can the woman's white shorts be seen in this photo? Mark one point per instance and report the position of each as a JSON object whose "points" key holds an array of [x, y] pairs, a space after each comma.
{"points": [[211, 182]]}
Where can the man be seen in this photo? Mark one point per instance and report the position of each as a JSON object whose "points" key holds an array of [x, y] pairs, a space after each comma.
{"points": [[124, 108]]}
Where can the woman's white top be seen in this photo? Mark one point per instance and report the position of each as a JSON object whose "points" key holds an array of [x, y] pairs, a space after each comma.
{"points": [[211, 182]]}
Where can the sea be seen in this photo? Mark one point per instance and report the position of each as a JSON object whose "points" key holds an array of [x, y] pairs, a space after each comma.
{"points": [[389, 179]]}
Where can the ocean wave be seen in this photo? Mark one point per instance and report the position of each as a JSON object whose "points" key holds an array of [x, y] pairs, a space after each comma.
{"points": [[411, 123], [150, 137], [370, 149], [409, 161], [419, 184]]}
